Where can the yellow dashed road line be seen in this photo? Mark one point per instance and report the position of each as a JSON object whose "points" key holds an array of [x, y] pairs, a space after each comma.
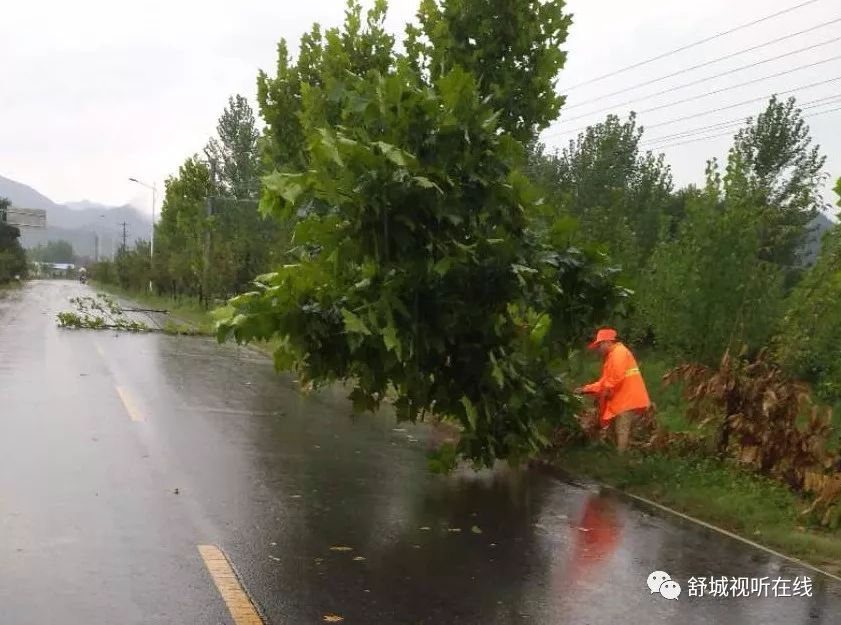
{"points": [[128, 403], [239, 605]]}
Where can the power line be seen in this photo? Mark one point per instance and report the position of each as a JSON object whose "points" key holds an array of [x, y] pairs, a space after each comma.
{"points": [[713, 61], [709, 111], [833, 99], [725, 134], [742, 103], [725, 128], [729, 133], [701, 80], [692, 45], [709, 93]]}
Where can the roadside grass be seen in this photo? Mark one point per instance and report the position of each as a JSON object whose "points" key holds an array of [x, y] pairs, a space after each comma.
{"points": [[752, 506], [11, 285]]}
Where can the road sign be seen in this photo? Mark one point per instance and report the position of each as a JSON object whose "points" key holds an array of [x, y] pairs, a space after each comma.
{"points": [[26, 217]]}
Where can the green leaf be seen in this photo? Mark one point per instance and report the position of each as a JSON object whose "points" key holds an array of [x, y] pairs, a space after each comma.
{"points": [[394, 154], [496, 372], [357, 103], [222, 313], [470, 411], [540, 328], [443, 266], [288, 186], [444, 459], [284, 358], [426, 183], [392, 343], [354, 324], [328, 143]]}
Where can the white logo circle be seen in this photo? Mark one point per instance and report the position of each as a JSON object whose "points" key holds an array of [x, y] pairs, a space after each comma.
{"points": [[670, 589], [656, 579]]}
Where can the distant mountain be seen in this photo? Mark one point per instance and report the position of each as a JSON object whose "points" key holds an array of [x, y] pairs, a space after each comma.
{"points": [[80, 223], [23, 196], [86, 205], [819, 226]]}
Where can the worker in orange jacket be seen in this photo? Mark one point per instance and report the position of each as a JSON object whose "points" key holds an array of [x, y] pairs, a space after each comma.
{"points": [[620, 389]]}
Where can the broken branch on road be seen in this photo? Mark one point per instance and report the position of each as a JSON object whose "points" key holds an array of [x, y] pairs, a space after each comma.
{"points": [[103, 312]]}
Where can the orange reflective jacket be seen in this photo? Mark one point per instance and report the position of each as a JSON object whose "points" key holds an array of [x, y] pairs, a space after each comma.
{"points": [[621, 387]]}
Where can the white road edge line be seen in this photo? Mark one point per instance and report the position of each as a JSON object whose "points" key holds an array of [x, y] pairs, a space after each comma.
{"points": [[723, 531]]}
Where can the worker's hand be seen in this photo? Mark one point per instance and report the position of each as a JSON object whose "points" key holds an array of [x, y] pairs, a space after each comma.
{"points": [[578, 391]]}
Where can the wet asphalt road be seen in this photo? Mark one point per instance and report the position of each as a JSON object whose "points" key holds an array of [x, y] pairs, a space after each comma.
{"points": [[97, 430]]}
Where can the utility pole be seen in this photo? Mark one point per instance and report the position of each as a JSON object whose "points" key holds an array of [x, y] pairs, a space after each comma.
{"points": [[124, 248], [206, 263], [154, 189]]}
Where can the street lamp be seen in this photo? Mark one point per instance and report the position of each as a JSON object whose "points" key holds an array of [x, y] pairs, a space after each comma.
{"points": [[154, 190]]}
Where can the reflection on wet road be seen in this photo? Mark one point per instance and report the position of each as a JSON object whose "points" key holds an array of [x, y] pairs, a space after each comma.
{"points": [[121, 454]]}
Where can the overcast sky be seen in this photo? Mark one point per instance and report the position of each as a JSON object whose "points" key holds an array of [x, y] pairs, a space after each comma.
{"points": [[95, 91]]}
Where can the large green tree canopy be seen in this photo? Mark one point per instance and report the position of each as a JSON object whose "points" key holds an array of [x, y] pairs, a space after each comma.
{"points": [[513, 48], [620, 194], [784, 174], [416, 273], [179, 245], [811, 328], [707, 288], [235, 150]]}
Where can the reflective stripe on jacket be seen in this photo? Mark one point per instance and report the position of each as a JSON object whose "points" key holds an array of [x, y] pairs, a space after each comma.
{"points": [[621, 387]]}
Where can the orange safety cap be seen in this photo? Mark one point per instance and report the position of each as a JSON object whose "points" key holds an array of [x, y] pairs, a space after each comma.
{"points": [[604, 334]]}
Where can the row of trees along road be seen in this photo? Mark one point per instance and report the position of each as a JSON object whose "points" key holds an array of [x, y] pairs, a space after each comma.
{"points": [[414, 238], [211, 239], [53, 252]]}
